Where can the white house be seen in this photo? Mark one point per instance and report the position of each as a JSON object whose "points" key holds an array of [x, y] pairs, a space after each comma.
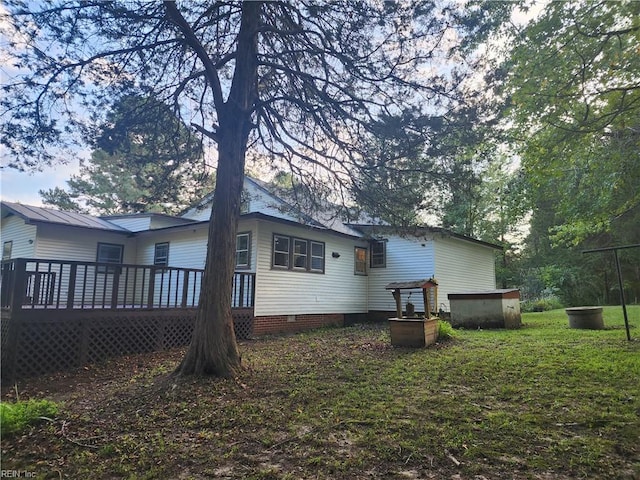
{"points": [[309, 272]]}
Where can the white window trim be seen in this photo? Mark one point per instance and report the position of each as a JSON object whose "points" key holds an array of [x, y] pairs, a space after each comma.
{"points": [[155, 254], [242, 266]]}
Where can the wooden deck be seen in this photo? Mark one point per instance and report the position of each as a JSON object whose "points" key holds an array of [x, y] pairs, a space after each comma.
{"points": [[58, 315]]}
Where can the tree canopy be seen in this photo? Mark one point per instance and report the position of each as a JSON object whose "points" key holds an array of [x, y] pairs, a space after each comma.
{"points": [[572, 88], [573, 85]]}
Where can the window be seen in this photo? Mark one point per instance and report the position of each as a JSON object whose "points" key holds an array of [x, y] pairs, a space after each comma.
{"points": [[379, 254], [294, 253], [360, 258], [161, 254], [109, 253], [6, 250], [300, 254], [317, 257], [243, 250], [281, 251]]}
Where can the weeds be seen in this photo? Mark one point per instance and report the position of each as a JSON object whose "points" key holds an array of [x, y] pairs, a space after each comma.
{"points": [[15, 417], [445, 331]]}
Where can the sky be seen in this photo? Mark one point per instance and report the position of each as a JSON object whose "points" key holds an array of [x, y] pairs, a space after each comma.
{"points": [[23, 187]]}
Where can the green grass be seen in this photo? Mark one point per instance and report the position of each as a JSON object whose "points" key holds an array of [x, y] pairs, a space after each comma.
{"points": [[16, 417], [544, 401]]}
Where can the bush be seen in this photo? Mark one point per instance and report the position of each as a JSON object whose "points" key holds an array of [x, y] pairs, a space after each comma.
{"points": [[541, 305], [445, 331], [15, 417]]}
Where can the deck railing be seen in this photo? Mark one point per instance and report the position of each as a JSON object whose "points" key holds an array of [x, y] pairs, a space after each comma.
{"points": [[56, 284]]}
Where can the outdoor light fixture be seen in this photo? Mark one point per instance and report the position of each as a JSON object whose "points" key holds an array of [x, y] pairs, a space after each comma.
{"points": [[335, 255]]}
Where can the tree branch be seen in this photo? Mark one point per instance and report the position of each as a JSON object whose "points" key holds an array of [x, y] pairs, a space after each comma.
{"points": [[190, 38]]}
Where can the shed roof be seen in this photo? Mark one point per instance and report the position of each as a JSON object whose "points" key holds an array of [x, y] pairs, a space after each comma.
{"points": [[415, 284]]}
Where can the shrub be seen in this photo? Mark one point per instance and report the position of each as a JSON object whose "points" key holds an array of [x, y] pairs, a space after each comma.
{"points": [[445, 330], [15, 417], [541, 305]]}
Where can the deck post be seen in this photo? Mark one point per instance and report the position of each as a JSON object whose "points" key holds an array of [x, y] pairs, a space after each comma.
{"points": [[71, 292], [115, 287], [20, 285], [152, 286], [185, 289]]}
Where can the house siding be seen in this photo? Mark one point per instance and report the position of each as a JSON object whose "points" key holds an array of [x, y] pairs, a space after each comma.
{"points": [[287, 292], [407, 259], [162, 222], [135, 224], [79, 244], [15, 230], [259, 201], [462, 266], [188, 247]]}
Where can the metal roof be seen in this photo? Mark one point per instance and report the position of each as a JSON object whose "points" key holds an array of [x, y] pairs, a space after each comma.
{"points": [[48, 215]]}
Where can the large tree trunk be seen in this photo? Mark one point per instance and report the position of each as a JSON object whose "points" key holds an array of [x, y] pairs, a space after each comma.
{"points": [[213, 349]]}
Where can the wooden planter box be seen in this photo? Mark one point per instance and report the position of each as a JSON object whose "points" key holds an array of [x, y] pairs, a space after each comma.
{"points": [[413, 332]]}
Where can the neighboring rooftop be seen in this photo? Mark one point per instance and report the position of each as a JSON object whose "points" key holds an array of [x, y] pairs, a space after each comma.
{"points": [[32, 214]]}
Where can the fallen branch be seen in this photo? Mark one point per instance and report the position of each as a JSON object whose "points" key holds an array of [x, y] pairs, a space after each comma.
{"points": [[452, 458]]}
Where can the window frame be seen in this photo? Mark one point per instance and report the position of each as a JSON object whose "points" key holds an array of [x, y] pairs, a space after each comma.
{"points": [[291, 255], [158, 259], [242, 266], [275, 253], [362, 263], [7, 255], [312, 256], [296, 255], [376, 256], [105, 268]]}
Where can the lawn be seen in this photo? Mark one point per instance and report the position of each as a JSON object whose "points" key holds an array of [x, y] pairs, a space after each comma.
{"points": [[542, 402]]}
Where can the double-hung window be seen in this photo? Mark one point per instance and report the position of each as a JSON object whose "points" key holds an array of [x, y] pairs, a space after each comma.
{"points": [[360, 261], [109, 253], [161, 254], [300, 254], [378, 254], [293, 253], [317, 257], [243, 250], [281, 251]]}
